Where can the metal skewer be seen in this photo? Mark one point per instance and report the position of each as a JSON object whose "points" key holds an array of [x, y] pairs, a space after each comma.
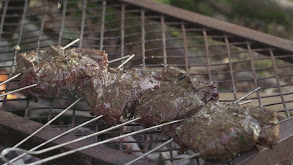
{"points": [[154, 149], [125, 61], [73, 42], [19, 89], [32, 151], [118, 59], [70, 44], [7, 150], [248, 94], [11, 78], [45, 125], [245, 102], [48, 123], [67, 143], [18, 74], [279, 122], [64, 133]]}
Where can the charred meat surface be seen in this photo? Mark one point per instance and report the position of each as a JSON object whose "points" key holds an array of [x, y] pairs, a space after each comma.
{"points": [[173, 100], [221, 131], [147, 92], [156, 95], [58, 71], [119, 98]]}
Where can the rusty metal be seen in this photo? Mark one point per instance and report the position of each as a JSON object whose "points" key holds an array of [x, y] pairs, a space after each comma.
{"points": [[212, 23], [17, 128], [158, 35]]}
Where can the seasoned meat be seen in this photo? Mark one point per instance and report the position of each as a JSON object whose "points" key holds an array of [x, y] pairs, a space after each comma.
{"points": [[58, 71], [156, 95], [120, 97], [221, 131], [173, 100], [93, 89], [27, 60]]}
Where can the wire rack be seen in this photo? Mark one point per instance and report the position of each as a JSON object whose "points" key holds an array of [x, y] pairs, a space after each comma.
{"points": [[236, 59]]}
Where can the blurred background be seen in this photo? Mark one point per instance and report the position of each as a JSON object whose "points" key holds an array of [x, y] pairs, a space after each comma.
{"points": [[269, 16]]}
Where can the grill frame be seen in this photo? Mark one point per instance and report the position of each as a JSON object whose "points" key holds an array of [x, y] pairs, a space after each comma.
{"points": [[162, 16]]}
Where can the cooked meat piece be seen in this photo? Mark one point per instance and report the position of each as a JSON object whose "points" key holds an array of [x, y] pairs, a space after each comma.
{"points": [[157, 95], [58, 71], [93, 89], [120, 97], [146, 92], [173, 100], [27, 60], [221, 131]]}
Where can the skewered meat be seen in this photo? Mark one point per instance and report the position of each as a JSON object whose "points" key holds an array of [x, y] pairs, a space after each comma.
{"points": [[119, 99], [130, 89], [173, 100], [58, 71], [218, 131], [221, 131]]}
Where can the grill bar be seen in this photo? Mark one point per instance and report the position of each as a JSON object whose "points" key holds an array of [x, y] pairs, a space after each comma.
{"points": [[62, 22], [214, 24], [278, 82], [185, 48], [164, 40], [143, 36], [208, 49], [230, 66], [44, 11], [122, 29], [84, 5], [3, 17], [15, 52], [33, 149], [154, 149], [208, 64], [102, 26], [253, 72], [97, 155]]}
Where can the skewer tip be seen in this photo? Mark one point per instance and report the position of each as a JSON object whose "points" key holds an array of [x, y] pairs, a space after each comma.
{"points": [[70, 44]]}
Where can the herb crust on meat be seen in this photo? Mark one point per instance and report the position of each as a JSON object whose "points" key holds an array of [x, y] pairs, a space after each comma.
{"points": [[58, 71], [156, 95], [221, 131]]}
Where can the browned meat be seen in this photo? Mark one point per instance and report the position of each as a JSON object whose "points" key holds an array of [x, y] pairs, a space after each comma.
{"points": [[173, 100], [147, 93], [157, 95], [58, 71], [221, 131], [120, 97]]}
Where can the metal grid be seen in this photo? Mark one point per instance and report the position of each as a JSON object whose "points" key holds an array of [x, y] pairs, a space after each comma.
{"points": [[234, 61]]}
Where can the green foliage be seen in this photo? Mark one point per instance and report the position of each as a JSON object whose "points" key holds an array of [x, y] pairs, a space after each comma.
{"points": [[175, 34], [163, 1], [263, 63], [266, 13], [186, 4], [203, 8], [239, 9]]}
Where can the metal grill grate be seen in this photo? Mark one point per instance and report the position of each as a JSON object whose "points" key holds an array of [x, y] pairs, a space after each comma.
{"points": [[234, 58]]}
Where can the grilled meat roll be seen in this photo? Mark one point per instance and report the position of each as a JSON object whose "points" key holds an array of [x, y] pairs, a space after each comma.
{"points": [[173, 100], [120, 99], [221, 131], [58, 71], [157, 95]]}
